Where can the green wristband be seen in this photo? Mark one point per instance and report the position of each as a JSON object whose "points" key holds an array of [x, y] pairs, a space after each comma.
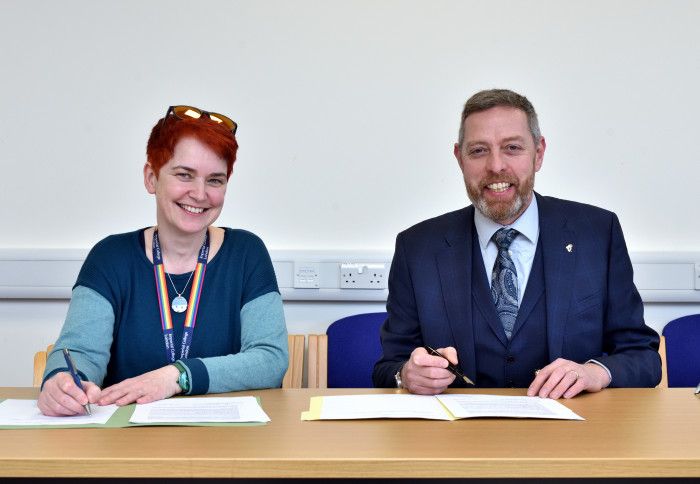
{"points": [[183, 379]]}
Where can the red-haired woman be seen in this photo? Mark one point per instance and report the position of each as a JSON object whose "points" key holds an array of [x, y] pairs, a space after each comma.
{"points": [[181, 307]]}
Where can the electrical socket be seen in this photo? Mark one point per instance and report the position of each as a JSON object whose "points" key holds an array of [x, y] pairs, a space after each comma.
{"points": [[363, 275]]}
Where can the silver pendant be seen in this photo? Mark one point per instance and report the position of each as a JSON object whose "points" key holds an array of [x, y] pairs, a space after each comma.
{"points": [[179, 304]]}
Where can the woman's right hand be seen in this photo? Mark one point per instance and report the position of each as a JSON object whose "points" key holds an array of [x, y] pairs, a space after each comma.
{"points": [[61, 397]]}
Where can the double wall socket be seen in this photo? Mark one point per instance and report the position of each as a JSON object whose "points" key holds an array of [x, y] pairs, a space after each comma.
{"points": [[363, 275]]}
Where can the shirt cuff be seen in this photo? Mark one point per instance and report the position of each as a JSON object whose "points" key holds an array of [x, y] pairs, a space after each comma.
{"points": [[604, 368]]}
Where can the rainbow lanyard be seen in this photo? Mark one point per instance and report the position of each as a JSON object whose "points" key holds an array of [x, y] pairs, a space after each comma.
{"points": [[163, 300]]}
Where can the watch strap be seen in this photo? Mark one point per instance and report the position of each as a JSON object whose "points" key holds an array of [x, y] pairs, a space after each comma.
{"points": [[183, 380]]}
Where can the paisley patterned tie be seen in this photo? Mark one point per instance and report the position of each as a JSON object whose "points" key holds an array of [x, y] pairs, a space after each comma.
{"points": [[504, 281]]}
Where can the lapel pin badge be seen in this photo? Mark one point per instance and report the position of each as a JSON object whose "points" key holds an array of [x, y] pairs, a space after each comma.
{"points": [[569, 248]]}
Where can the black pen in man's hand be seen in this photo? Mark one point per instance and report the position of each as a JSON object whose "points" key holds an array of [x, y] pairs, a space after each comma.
{"points": [[450, 367]]}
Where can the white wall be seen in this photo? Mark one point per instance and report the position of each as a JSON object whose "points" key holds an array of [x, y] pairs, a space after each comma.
{"points": [[347, 110]]}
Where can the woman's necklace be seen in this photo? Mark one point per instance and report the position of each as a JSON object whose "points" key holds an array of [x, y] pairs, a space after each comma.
{"points": [[179, 303]]}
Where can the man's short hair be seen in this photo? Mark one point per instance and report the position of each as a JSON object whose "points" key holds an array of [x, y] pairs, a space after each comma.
{"points": [[491, 98]]}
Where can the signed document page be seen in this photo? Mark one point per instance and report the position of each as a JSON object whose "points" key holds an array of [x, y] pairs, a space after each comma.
{"points": [[25, 412], [193, 409]]}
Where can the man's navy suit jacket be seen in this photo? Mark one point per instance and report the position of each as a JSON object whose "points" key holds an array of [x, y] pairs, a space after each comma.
{"points": [[592, 305]]}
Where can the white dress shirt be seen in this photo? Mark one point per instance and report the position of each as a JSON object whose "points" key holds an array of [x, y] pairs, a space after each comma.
{"points": [[522, 249]]}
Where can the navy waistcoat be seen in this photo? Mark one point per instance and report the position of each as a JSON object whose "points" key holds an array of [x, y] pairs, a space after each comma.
{"points": [[499, 362]]}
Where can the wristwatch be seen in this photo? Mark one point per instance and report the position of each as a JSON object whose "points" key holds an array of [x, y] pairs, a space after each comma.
{"points": [[397, 377], [183, 380]]}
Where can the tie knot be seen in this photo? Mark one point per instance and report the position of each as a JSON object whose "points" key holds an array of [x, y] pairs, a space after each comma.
{"points": [[504, 237]]}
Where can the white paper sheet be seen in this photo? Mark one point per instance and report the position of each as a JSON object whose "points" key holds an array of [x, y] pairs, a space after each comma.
{"points": [[25, 412], [193, 409], [382, 406], [440, 407], [466, 406]]}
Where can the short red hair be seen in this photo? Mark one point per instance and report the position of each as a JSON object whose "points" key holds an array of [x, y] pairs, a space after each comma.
{"points": [[168, 131]]}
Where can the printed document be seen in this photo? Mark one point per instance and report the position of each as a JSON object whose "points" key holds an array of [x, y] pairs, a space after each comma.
{"points": [[193, 409], [440, 407], [381, 406], [25, 412], [468, 406]]}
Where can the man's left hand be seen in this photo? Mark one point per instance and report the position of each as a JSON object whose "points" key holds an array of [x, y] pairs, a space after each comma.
{"points": [[564, 378]]}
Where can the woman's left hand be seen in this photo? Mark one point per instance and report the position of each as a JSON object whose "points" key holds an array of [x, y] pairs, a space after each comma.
{"points": [[149, 387]]}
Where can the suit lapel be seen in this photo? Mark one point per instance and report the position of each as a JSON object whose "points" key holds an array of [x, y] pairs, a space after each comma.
{"points": [[481, 291], [533, 290], [455, 264], [559, 259]]}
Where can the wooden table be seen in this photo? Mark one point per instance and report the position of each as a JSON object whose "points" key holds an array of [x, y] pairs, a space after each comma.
{"points": [[627, 433]]}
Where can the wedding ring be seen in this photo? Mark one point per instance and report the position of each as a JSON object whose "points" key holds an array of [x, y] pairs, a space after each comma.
{"points": [[575, 373]]}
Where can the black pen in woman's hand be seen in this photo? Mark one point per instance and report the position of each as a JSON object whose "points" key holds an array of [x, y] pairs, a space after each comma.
{"points": [[74, 374], [452, 369]]}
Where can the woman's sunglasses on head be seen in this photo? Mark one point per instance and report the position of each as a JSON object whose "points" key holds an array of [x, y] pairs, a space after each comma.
{"points": [[184, 112]]}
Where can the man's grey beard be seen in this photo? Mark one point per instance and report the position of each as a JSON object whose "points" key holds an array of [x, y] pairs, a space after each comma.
{"points": [[514, 209]]}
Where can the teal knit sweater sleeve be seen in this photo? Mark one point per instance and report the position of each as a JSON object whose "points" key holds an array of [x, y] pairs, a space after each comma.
{"points": [[87, 333], [263, 358], [261, 363]]}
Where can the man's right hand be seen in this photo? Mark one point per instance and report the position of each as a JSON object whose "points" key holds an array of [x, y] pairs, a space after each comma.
{"points": [[426, 374], [61, 397]]}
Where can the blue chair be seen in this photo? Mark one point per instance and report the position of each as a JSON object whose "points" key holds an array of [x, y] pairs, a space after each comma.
{"points": [[683, 351], [353, 349]]}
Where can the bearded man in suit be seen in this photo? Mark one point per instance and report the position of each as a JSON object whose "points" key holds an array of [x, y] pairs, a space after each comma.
{"points": [[518, 289]]}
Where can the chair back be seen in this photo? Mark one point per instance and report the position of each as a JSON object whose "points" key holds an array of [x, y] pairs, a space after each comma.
{"points": [[682, 337], [353, 349], [317, 361], [292, 379], [40, 365], [664, 367]]}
